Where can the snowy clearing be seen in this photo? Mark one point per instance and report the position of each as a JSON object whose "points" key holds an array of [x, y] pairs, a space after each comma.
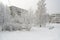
{"points": [[34, 34]]}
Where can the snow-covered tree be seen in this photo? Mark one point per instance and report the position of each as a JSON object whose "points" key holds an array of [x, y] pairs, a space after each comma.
{"points": [[41, 13], [21, 18], [4, 15], [41, 7], [1, 14]]}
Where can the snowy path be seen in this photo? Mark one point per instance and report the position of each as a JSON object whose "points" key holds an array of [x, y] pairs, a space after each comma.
{"points": [[43, 34]]}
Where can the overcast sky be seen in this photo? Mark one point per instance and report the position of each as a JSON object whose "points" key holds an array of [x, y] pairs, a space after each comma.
{"points": [[52, 5]]}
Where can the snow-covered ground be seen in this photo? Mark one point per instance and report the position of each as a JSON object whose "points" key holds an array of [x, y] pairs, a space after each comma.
{"points": [[36, 33]]}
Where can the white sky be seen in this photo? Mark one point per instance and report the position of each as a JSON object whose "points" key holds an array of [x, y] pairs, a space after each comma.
{"points": [[52, 5]]}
